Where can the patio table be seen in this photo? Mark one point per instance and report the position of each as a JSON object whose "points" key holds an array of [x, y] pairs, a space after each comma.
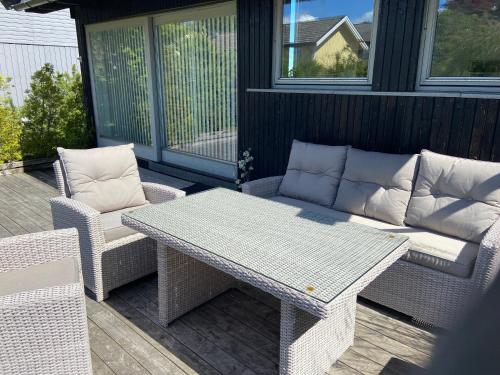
{"points": [[315, 264]]}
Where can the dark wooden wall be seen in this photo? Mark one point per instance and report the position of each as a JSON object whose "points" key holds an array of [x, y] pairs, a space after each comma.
{"points": [[270, 120]]}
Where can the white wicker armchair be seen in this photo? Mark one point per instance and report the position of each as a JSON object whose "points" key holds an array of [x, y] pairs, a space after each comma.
{"points": [[43, 325], [107, 264]]}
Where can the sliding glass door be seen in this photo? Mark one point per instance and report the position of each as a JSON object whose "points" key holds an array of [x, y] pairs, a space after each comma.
{"points": [[196, 75], [167, 83]]}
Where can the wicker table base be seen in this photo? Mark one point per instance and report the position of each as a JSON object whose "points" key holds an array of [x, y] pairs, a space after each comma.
{"points": [[308, 345]]}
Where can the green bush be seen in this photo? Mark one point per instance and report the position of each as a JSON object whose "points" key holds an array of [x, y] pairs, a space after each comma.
{"points": [[10, 125], [53, 113]]}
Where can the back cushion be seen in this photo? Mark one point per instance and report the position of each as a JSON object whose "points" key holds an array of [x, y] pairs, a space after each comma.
{"points": [[458, 197], [377, 185], [106, 178], [313, 172]]}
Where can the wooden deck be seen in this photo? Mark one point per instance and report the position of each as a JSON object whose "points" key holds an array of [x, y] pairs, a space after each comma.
{"points": [[236, 333]]}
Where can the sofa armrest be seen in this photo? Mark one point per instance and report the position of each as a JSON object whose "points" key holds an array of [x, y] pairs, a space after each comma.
{"points": [[264, 188], [157, 193], [38, 248], [487, 265]]}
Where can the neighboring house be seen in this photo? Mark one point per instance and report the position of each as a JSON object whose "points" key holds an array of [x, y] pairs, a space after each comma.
{"points": [[29, 40], [326, 41]]}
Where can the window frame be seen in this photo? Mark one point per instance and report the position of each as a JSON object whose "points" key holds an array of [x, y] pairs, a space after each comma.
{"points": [[358, 83], [460, 84]]}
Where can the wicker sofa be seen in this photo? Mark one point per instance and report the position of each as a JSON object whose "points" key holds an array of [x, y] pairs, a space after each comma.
{"points": [[449, 208], [112, 254], [43, 325]]}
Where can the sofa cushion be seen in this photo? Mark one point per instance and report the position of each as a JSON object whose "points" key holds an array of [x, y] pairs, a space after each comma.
{"points": [[377, 185], [454, 196], [40, 276], [106, 178], [427, 248], [313, 172], [112, 224]]}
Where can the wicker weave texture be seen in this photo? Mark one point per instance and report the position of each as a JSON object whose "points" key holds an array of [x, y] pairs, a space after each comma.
{"points": [[109, 265], [43, 331], [427, 295]]}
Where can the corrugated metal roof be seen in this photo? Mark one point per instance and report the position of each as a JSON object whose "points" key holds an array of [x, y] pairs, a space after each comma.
{"points": [[54, 29]]}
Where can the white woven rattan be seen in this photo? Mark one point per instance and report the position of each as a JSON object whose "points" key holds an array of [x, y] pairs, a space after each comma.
{"points": [[107, 265], [425, 294], [43, 331], [276, 248]]}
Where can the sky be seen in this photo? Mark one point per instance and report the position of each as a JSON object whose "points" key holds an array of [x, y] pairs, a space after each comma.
{"points": [[308, 10]]}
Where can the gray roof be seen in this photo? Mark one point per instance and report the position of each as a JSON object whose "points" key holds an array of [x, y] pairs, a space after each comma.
{"points": [[310, 32]]}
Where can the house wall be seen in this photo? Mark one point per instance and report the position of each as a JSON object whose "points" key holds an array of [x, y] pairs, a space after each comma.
{"points": [[401, 122], [342, 45], [27, 41]]}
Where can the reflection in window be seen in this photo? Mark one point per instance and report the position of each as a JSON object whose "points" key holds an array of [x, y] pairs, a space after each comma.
{"points": [[326, 39], [467, 39]]}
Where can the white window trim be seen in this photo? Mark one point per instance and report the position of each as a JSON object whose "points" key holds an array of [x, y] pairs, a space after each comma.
{"points": [[458, 84], [319, 83]]}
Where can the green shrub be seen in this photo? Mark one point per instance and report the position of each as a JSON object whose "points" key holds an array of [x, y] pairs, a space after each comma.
{"points": [[53, 113], [10, 125]]}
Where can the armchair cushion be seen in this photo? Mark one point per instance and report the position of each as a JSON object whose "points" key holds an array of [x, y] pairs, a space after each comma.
{"points": [[56, 273], [377, 185], [454, 196], [107, 178], [313, 172], [112, 224]]}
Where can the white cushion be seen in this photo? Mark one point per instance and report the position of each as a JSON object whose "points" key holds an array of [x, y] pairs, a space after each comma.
{"points": [[430, 249], [112, 224], [313, 172], [377, 185], [455, 196], [106, 178]]}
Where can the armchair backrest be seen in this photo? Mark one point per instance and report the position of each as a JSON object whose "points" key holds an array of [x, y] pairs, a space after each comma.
{"points": [[62, 184]]}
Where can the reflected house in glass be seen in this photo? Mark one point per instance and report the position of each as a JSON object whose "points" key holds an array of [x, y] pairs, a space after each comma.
{"points": [[327, 42]]}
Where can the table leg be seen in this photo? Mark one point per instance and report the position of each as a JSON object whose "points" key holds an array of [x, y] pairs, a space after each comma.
{"points": [[310, 345], [185, 283]]}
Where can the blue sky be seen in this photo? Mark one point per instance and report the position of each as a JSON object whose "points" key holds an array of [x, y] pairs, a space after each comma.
{"points": [[357, 10]]}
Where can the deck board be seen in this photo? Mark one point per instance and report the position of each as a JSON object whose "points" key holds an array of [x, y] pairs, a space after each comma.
{"points": [[236, 333]]}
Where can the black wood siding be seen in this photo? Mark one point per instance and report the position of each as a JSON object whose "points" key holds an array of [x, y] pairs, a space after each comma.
{"points": [[269, 121]]}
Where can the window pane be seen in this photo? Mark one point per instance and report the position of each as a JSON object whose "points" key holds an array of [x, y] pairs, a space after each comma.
{"points": [[326, 39], [196, 64], [467, 39], [120, 84]]}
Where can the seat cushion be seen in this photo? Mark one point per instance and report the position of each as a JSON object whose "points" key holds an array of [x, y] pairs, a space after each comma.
{"points": [[377, 185], [427, 248], [454, 196], [57, 273], [112, 224], [313, 172], [105, 178]]}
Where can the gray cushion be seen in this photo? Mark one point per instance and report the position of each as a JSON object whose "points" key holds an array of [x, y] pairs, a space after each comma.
{"points": [[427, 248], [57, 273], [112, 224], [313, 172], [454, 196], [377, 185], [105, 178]]}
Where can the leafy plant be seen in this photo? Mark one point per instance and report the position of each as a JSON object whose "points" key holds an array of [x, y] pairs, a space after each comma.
{"points": [[53, 113], [10, 125], [245, 167]]}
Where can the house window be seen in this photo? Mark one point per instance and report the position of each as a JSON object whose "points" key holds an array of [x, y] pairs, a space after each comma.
{"points": [[461, 45], [324, 42]]}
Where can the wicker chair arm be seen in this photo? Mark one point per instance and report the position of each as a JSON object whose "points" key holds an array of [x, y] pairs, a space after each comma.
{"points": [[264, 188], [37, 248], [487, 265], [157, 193]]}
